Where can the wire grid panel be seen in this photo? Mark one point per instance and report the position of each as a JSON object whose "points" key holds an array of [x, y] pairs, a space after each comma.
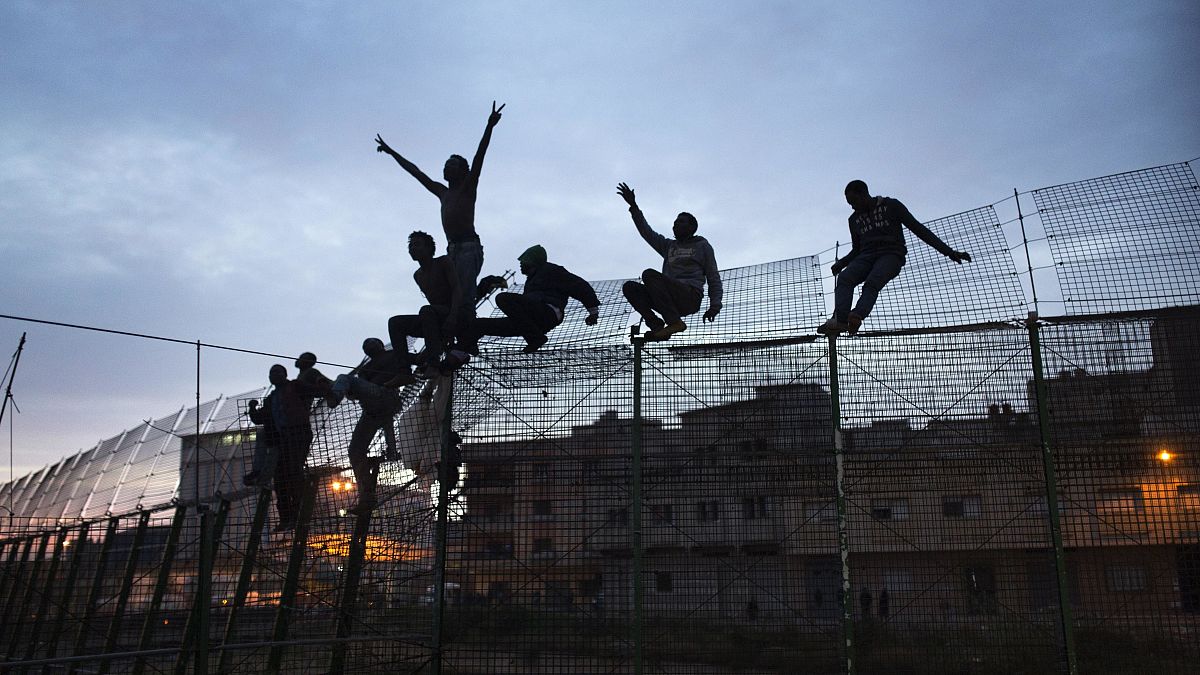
{"points": [[943, 479], [932, 290], [740, 563], [1123, 410], [528, 587], [1125, 242]]}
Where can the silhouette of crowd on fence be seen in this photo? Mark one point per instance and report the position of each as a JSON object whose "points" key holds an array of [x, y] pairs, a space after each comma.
{"points": [[450, 330]]}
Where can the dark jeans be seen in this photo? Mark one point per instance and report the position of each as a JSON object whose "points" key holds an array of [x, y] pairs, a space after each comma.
{"points": [[293, 448], [426, 324], [523, 316], [873, 271], [467, 257], [379, 408], [673, 299]]}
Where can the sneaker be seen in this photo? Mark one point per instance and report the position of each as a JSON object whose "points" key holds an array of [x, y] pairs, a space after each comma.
{"points": [[534, 343], [832, 327], [455, 359], [250, 479], [665, 332], [853, 323], [653, 323]]}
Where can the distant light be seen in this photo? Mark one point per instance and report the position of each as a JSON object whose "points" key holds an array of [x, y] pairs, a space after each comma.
{"points": [[1165, 456], [336, 486]]}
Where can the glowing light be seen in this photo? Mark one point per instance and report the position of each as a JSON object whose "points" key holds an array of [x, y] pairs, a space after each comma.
{"points": [[1165, 456], [336, 486]]}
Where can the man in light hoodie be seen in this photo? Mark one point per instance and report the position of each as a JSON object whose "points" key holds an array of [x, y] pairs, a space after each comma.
{"points": [[676, 292]]}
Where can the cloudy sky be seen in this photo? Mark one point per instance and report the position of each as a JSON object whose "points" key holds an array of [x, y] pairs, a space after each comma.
{"points": [[206, 171]]}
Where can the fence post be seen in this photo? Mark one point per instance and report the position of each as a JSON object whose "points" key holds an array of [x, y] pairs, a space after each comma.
{"points": [[1060, 558], [64, 604], [839, 455], [16, 578], [635, 516], [44, 603], [354, 563], [195, 632], [291, 582], [20, 616], [440, 536], [114, 627], [160, 586], [249, 558], [89, 610]]}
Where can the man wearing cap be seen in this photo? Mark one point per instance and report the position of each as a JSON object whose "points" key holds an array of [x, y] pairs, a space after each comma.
{"points": [[539, 308], [688, 262]]}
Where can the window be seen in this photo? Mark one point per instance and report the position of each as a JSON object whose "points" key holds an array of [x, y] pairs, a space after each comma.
{"points": [[754, 507], [1121, 501], [709, 510], [543, 546], [663, 582], [898, 580], [1189, 496], [541, 471], [820, 512], [618, 516], [981, 589], [889, 509], [968, 506], [543, 507], [1125, 578], [662, 513]]}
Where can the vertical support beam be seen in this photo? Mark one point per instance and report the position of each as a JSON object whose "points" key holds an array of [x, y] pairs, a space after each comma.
{"points": [[635, 508], [291, 582], [347, 604], [21, 614], [839, 454], [68, 593], [122, 601], [195, 633], [160, 586], [249, 559], [44, 604], [1048, 470], [93, 598], [17, 581], [440, 531], [6, 573]]}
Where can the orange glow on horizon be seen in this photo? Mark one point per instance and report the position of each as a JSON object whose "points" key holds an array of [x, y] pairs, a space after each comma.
{"points": [[1165, 456]]}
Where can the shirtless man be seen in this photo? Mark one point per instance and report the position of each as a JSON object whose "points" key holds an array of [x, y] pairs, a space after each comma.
{"points": [[437, 321], [457, 197]]}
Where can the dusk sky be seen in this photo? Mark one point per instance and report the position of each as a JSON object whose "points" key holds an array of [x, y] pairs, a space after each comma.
{"points": [[206, 170]]}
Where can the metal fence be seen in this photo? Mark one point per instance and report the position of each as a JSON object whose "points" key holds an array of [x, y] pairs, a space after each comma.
{"points": [[960, 488]]}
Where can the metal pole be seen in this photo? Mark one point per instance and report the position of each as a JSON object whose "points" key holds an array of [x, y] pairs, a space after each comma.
{"points": [[18, 620], [440, 532], [635, 442], [64, 603], [1025, 241], [17, 582], [1060, 558], [44, 605], [4, 405], [160, 586], [354, 565], [89, 611], [195, 633], [291, 582], [839, 454], [114, 627], [247, 574]]}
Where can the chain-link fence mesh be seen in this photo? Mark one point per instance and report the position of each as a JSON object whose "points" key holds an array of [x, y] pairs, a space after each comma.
{"points": [[953, 490]]}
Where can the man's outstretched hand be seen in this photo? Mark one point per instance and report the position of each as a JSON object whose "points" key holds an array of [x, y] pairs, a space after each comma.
{"points": [[626, 193], [383, 146], [960, 257], [494, 118]]}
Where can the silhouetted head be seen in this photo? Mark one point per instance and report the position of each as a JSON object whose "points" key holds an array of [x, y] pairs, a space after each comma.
{"points": [[306, 360], [421, 246], [456, 169], [373, 347], [858, 196], [685, 226], [533, 258], [277, 375]]}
